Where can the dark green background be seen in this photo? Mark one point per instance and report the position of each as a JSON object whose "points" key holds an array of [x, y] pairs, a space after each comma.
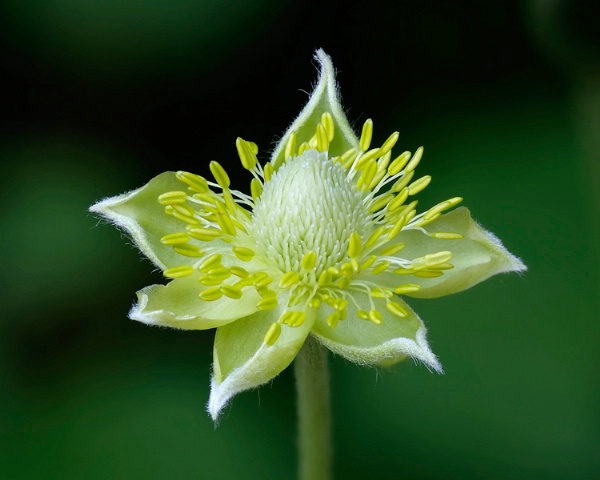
{"points": [[99, 97]]}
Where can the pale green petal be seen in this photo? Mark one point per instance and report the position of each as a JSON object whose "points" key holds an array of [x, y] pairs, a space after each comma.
{"points": [[324, 98], [476, 257], [178, 305], [140, 215], [365, 343], [242, 360]]}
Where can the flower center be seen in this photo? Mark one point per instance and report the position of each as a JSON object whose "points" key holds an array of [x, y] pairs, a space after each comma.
{"points": [[310, 204]]}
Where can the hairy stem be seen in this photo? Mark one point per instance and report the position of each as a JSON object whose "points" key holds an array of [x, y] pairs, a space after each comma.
{"points": [[314, 412]]}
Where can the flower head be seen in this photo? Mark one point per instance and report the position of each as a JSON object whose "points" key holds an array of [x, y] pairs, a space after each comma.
{"points": [[327, 244]]}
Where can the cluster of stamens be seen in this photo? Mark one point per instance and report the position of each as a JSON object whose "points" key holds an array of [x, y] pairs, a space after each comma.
{"points": [[229, 239]]}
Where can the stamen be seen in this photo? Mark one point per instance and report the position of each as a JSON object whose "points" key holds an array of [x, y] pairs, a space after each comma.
{"points": [[366, 135], [273, 333], [211, 262], [245, 254], [220, 174], [447, 236], [195, 182], [211, 294], [171, 198], [178, 272], [414, 161], [290, 146], [309, 260], [398, 164], [247, 156], [188, 250], [397, 309], [203, 234], [354, 246], [175, 239], [231, 291], [289, 279], [419, 185]]}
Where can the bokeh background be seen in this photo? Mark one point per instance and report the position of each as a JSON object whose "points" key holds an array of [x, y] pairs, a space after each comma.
{"points": [[98, 97]]}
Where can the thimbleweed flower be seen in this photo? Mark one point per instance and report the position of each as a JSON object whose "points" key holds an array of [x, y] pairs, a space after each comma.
{"points": [[328, 244]]}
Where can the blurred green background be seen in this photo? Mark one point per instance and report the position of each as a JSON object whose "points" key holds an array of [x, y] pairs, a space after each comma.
{"points": [[99, 97]]}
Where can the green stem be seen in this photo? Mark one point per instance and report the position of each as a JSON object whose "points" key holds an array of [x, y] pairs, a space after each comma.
{"points": [[314, 412]]}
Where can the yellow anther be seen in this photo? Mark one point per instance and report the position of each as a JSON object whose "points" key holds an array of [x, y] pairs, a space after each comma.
{"points": [[325, 278], [367, 176], [175, 239], [289, 279], [211, 262], [190, 220], [397, 228], [226, 224], [368, 262], [211, 294], [341, 304], [322, 140], [256, 189], [432, 259], [442, 207], [286, 318], [231, 291], [327, 121], [267, 303], [343, 282], [375, 317], [178, 272], [247, 156], [380, 267], [303, 148], [239, 271], [297, 319], [172, 198], [414, 161], [230, 204], [218, 272], [333, 319], [195, 182], [182, 209], [402, 182], [188, 250], [220, 174], [444, 266], [426, 221], [354, 246], [355, 265], [309, 260], [261, 281], [447, 236], [378, 293], [389, 143], [406, 288], [392, 250], [366, 135], [245, 254], [203, 234], [362, 314], [398, 164], [404, 271], [398, 200], [314, 302], [347, 159], [372, 154], [419, 185], [273, 333], [428, 274], [207, 198], [374, 237], [290, 146], [397, 309], [383, 163], [347, 269], [268, 171]]}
